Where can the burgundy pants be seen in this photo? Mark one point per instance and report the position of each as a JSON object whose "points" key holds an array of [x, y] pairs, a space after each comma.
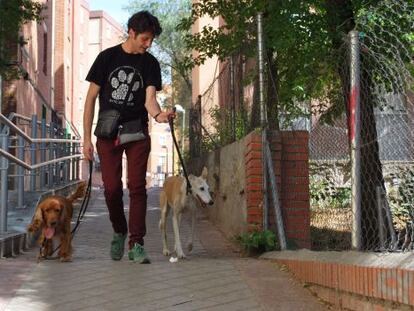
{"points": [[110, 157]]}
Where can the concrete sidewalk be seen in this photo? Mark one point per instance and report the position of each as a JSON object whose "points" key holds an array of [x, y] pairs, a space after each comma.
{"points": [[212, 278]]}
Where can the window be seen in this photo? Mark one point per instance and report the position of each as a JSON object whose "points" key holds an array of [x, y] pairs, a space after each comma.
{"points": [[82, 16], [81, 45], [161, 161], [44, 68], [81, 77], [94, 29], [80, 103], [108, 31]]}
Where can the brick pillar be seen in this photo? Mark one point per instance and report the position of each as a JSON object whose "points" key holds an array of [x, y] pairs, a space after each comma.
{"points": [[254, 196], [290, 156], [295, 186]]}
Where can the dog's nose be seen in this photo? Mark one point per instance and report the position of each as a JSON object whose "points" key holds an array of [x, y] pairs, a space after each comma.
{"points": [[210, 203], [53, 223]]}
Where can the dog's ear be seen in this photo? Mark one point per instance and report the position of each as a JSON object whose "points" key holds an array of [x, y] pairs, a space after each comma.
{"points": [[37, 221], [204, 173], [63, 212]]}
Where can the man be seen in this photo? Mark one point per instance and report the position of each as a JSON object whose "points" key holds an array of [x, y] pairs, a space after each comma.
{"points": [[126, 70]]}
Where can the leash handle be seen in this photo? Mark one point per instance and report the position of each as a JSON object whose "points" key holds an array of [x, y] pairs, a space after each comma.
{"points": [[171, 123]]}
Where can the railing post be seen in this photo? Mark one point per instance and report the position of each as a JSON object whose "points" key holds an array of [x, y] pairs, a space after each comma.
{"points": [[33, 153], [68, 152], [43, 154], [50, 179], [4, 165], [73, 162], [64, 163], [20, 173], [78, 161]]}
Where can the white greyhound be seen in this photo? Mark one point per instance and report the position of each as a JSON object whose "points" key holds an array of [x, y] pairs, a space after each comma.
{"points": [[174, 195]]}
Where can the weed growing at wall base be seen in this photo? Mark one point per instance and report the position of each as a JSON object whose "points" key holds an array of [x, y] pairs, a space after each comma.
{"points": [[257, 242]]}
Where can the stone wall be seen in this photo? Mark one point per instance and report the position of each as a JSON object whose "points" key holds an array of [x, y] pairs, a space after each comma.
{"points": [[235, 179]]}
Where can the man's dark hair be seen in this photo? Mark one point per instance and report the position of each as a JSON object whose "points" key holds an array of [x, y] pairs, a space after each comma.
{"points": [[144, 21]]}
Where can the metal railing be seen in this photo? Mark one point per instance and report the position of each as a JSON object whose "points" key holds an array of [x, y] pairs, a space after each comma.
{"points": [[54, 158]]}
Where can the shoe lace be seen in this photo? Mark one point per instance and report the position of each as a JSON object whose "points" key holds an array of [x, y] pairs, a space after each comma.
{"points": [[117, 243], [138, 249]]}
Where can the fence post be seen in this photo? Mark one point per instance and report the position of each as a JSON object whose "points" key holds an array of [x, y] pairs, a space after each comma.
{"points": [[33, 154], [20, 173], [78, 161], [64, 163], [263, 117], [43, 154], [4, 165], [232, 100], [50, 157], [73, 161], [355, 137]]}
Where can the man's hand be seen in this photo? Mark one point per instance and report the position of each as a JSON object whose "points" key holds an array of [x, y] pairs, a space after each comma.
{"points": [[88, 150], [165, 116]]}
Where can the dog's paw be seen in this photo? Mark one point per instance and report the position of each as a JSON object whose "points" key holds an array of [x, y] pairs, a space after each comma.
{"points": [[181, 255], [190, 247], [66, 259], [166, 252]]}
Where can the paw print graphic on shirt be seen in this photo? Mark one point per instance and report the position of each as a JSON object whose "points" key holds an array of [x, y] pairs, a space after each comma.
{"points": [[121, 83]]}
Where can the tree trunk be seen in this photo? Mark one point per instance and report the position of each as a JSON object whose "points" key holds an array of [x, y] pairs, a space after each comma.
{"points": [[340, 17], [272, 91]]}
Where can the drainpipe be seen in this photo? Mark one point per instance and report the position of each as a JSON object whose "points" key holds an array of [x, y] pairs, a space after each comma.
{"points": [[72, 62], [52, 57]]}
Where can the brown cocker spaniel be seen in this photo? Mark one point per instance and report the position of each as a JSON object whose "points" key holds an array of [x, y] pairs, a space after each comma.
{"points": [[53, 217]]}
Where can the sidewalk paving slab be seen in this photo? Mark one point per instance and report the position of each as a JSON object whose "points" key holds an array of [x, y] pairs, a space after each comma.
{"points": [[213, 278]]}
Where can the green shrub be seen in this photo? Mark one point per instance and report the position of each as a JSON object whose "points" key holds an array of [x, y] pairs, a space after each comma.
{"points": [[325, 194], [257, 242]]}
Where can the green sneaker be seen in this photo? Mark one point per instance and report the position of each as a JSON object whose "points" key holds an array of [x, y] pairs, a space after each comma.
{"points": [[137, 254], [117, 246]]}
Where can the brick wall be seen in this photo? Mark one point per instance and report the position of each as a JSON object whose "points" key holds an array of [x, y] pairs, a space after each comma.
{"points": [[290, 162], [357, 286]]}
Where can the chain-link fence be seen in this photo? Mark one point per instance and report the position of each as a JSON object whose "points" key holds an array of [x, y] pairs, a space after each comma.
{"points": [[366, 200], [361, 126]]}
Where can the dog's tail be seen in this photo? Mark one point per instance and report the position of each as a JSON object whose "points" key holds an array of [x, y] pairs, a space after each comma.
{"points": [[79, 192]]}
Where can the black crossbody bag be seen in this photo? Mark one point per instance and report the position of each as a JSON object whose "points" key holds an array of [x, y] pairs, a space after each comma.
{"points": [[109, 125]]}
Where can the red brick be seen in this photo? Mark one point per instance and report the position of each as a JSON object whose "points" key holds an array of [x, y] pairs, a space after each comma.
{"points": [[253, 203], [295, 205], [254, 219], [295, 149], [254, 172], [253, 137], [252, 155], [252, 179], [254, 163], [295, 156], [254, 146], [254, 187], [304, 188], [296, 180], [254, 212]]}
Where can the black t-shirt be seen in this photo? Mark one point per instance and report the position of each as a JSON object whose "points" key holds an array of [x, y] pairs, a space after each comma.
{"points": [[115, 71]]}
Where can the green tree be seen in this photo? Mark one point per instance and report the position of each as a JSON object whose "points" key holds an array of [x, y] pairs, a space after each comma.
{"points": [[306, 59], [13, 14]]}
